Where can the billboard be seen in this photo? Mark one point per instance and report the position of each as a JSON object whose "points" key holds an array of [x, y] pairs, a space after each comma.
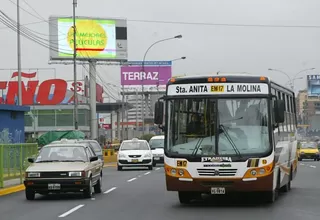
{"points": [[313, 85], [97, 39], [47, 92], [153, 75]]}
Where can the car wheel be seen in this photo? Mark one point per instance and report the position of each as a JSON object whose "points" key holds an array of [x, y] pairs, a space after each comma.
{"points": [[88, 192], [30, 194], [98, 186], [150, 167], [119, 168]]}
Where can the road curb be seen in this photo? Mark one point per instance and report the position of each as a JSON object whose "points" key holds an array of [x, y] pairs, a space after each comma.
{"points": [[12, 189]]}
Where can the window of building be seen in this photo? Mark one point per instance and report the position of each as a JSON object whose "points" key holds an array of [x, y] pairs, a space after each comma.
{"points": [[46, 118], [64, 117]]}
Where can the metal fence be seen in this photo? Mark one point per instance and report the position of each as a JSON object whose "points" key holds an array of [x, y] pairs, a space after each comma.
{"points": [[13, 160]]}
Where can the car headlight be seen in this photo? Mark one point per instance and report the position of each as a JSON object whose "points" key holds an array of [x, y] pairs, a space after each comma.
{"points": [[32, 174], [148, 155], [76, 174], [121, 155]]}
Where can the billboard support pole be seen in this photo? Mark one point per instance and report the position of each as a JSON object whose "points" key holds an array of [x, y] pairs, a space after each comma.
{"points": [[122, 114], [19, 54], [93, 102], [75, 97]]}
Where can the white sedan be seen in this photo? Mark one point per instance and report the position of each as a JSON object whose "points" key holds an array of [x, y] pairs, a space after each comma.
{"points": [[135, 153]]}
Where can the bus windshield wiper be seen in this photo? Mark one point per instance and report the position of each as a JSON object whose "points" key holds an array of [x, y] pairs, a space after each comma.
{"points": [[198, 144], [224, 130]]}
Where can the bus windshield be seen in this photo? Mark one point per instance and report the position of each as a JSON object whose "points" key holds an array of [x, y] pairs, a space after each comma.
{"points": [[236, 126]]}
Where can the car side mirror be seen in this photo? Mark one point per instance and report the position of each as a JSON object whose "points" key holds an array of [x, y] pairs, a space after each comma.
{"points": [[94, 158], [279, 109], [31, 160], [158, 112]]}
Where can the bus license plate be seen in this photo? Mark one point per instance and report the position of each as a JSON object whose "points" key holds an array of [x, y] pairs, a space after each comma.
{"points": [[54, 186], [218, 190], [135, 161]]}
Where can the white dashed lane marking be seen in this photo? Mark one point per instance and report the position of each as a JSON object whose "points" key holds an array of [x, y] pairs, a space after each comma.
{"points": [[158, 169], [313, 166], [110, 190], [302, 164], [130, 180], [70, 211], [146, 173]]}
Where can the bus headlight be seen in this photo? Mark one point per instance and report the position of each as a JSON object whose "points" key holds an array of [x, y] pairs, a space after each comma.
{"points": [[173, 171], [181, 172], [253, 172], [262, 171]]}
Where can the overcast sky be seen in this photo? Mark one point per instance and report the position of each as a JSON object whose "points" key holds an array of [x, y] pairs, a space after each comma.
{"points": [[208, 48]]}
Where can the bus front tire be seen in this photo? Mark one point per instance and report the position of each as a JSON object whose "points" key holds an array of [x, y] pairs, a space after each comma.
{"points": [[185, 197]]}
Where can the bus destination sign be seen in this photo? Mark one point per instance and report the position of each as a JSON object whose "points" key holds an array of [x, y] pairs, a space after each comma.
{"points": [[217, 88]]}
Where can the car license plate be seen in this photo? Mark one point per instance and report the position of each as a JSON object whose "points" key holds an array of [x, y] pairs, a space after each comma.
{"points": [[135, 161], [157, 158], [218, 190], [54, 186]]}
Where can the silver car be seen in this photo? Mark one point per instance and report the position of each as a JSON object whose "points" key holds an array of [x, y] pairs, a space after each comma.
{"points": [[62, 168]]}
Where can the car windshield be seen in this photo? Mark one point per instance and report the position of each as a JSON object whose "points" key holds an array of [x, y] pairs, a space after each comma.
{"points": [[240, 126], [156, 143], [62, 154], [96, 147], [309, 145], [139, 145]]}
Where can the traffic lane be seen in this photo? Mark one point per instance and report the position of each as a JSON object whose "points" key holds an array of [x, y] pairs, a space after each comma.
{"points": [[55, 204], [147, 198], [112, 177], [310, 163], [16, 207]]}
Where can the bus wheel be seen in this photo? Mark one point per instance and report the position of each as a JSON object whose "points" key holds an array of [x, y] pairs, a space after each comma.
{"points": [[185, 197]]}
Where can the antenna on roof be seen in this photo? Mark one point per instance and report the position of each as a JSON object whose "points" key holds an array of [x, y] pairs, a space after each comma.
{"points": [[218, 73]]}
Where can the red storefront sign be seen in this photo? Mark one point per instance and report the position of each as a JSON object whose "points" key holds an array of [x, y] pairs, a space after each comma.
{"points": [[43, 97], [106, 126]]}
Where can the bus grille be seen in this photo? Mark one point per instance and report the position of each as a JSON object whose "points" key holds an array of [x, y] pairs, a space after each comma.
{"points": [[217, 172]]}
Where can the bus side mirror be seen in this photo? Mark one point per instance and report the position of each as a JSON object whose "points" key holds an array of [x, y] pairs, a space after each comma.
{"points": [[158, 112], [279, 108]]}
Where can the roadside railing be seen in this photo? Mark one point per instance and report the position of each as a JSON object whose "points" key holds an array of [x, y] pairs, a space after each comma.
{"points": [[13, 160]]}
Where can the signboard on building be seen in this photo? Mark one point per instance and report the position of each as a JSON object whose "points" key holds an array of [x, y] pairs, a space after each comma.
{"points": [[153, 75], [47, 92], [313, 85], [97, 38]]}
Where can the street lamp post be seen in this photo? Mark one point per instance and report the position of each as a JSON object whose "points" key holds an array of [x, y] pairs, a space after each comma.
{"points": [[291, 79], [142, 86]]}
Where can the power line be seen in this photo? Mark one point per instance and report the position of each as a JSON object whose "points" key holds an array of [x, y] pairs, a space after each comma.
{"points": [[38, 16]]}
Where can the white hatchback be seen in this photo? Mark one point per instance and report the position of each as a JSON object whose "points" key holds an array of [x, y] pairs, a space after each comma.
{"points": [[135, 153], [157, 147]]}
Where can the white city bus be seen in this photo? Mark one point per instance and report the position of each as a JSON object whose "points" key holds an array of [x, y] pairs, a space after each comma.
{"points": [[226, 134]]}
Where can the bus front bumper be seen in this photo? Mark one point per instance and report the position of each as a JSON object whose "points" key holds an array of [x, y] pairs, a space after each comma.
{"points": [[260, 184]]}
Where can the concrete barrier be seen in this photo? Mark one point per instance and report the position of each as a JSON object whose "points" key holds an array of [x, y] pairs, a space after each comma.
{"points": [[110, 159]]}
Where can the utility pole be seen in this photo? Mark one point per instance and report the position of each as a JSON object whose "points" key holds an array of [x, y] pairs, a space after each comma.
{"points": [[19, 54], [122, 115], [75, 94]]}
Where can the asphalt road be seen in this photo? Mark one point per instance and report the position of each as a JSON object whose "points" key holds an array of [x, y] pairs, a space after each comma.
{"points": [[141, 194]]}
